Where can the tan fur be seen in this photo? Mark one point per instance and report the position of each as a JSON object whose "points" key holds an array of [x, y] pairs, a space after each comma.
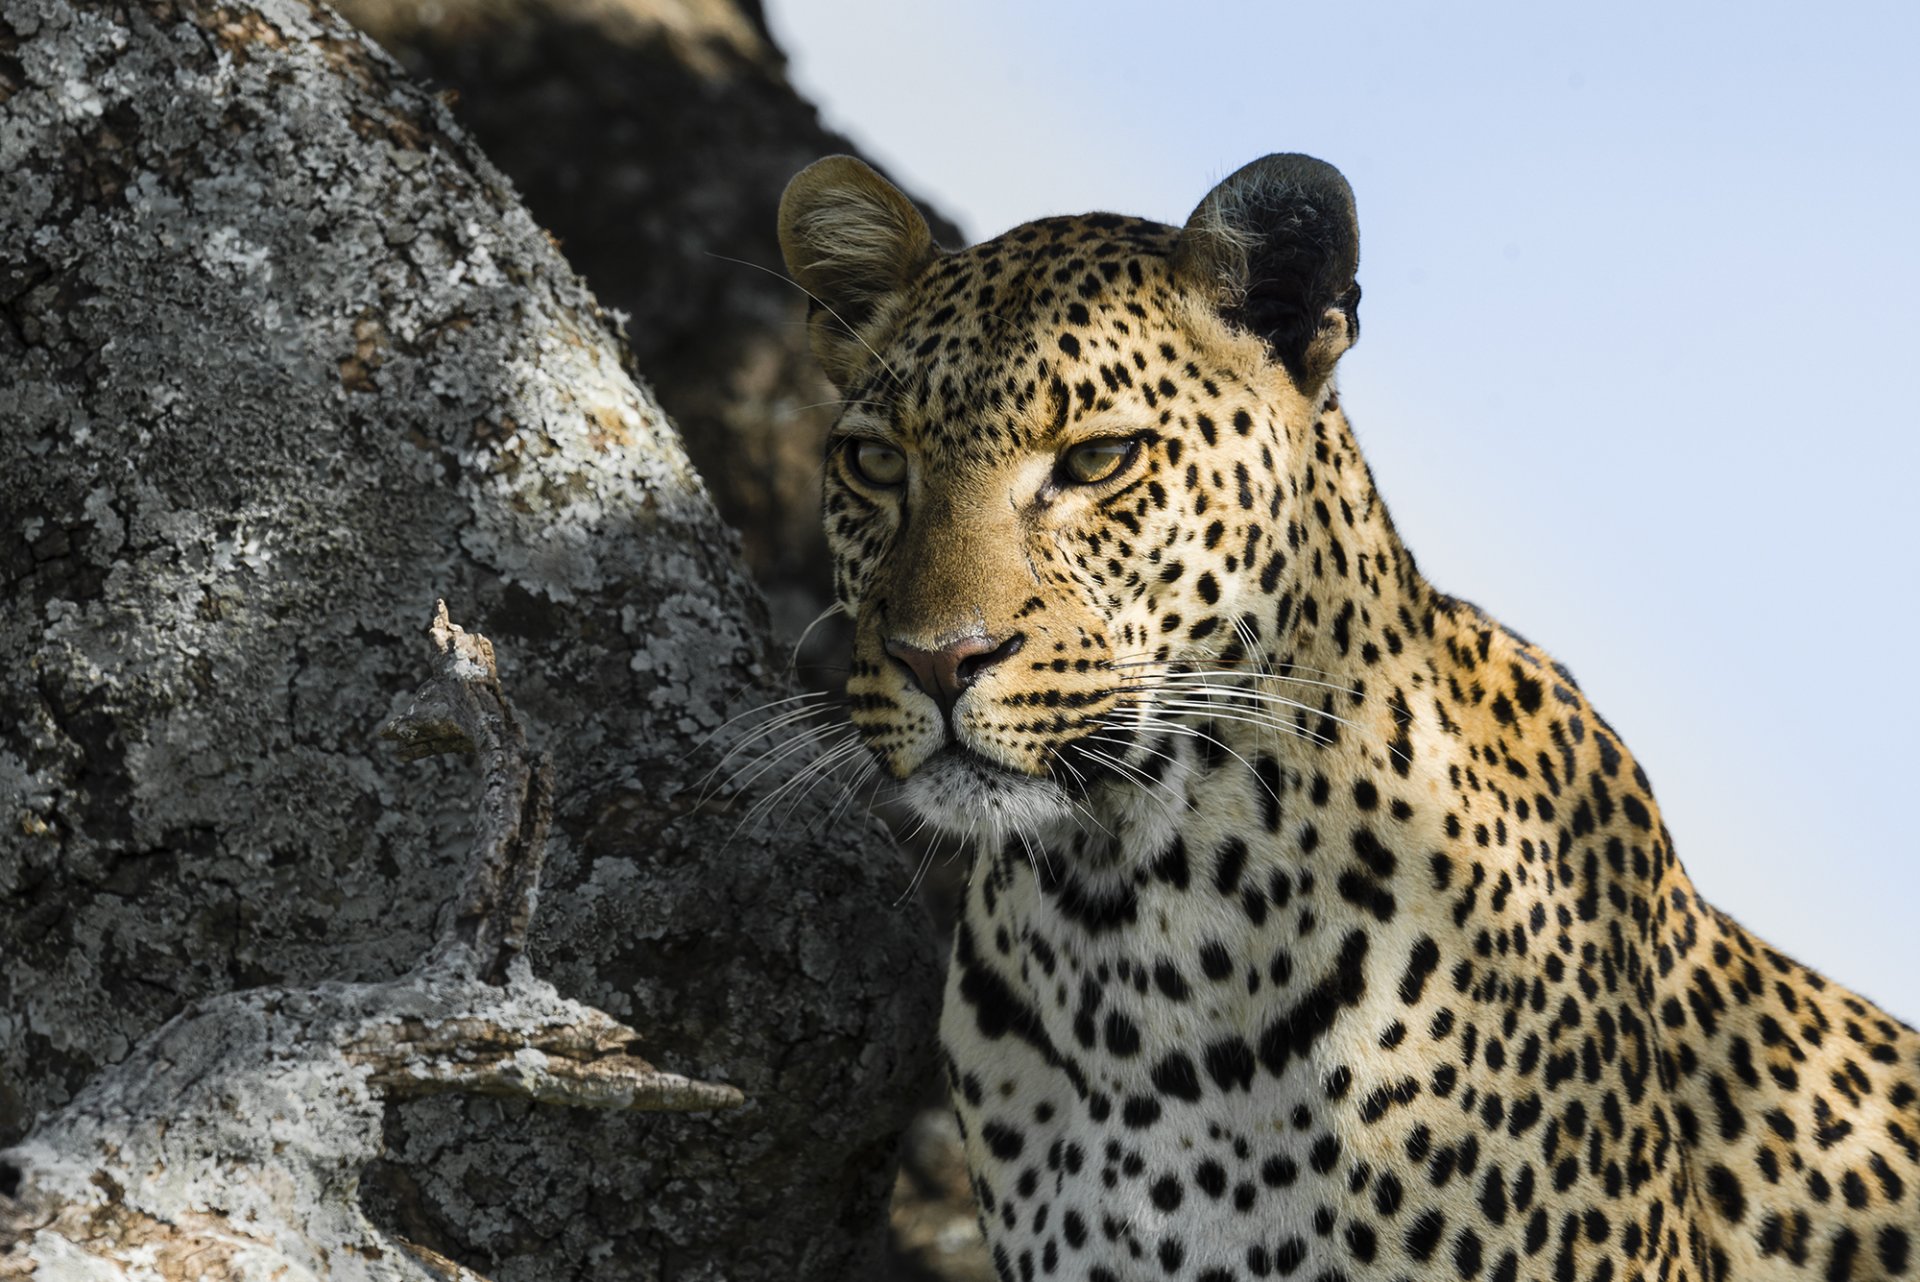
{"points": [[852, 240]]}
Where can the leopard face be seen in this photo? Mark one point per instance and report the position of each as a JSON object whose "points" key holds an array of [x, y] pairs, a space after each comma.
{"points": [[1059, 475]]}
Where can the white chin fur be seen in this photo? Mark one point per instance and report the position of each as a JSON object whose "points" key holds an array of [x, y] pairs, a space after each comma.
{"points": [[966, 798], [963, 797]]}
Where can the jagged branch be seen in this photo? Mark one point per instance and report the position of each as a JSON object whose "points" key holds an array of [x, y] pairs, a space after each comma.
{"points": [[462, 709]]}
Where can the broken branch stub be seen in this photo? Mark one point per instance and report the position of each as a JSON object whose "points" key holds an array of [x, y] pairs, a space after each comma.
{"points": [[462, 709], [229, 1144]]}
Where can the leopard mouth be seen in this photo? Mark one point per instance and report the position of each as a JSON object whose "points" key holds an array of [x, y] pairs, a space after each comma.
{"points": [[963, 792], [973, 760]]}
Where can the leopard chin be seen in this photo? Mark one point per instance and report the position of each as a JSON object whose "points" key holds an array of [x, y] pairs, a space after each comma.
{"points": [[962, 793]]}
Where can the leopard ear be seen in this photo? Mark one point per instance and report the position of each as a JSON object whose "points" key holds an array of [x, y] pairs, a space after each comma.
{"points": [[1275, 247], [852, 240]]}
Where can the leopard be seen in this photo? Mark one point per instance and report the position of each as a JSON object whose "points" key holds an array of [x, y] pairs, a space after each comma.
{"points": [[1316, 924]]}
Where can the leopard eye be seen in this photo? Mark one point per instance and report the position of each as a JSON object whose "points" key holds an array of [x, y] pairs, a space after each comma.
{"points": [[1091, 462], [877, 463]]}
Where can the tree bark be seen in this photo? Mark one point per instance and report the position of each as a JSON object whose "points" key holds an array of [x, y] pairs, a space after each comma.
{"points": [[280, 357], [654, 138], [230, 1144]]}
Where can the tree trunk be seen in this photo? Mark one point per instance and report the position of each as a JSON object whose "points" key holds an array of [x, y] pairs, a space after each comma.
{"points": [[280, 358], [230, 1145], [654, 138]]}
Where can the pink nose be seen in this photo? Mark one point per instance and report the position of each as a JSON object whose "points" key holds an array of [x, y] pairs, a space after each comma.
{"points": [[945, 673]]}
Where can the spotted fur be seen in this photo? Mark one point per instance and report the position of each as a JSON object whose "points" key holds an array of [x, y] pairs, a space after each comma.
{"points": [[1318, 925]]}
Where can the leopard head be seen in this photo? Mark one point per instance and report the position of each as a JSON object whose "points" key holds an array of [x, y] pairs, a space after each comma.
{"points": [[1067, 459]]}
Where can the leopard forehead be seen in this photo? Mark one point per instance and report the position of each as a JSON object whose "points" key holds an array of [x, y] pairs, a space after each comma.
{"points": [[1008, 344]]}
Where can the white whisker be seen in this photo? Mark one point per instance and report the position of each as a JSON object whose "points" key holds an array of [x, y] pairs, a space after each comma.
{"points": [[793, 657], [851, 331]]}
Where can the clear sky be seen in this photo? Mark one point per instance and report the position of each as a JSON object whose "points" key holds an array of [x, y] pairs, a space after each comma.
{"points": [[1639, 348]]}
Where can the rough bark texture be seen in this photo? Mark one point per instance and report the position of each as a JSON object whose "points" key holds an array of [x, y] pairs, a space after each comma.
{"points": [[283, 357], [654, 138], [230, 1144]]}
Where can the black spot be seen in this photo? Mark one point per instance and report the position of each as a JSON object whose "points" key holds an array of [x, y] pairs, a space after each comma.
{"points": [[10, 1176], [1895, 1249], [1466, 1253], [1167, 1193], [1267, 771], [1140, 1111], [1069, 344], [1536, 1232], [1493, 1196], [1277, 1172], [1171, 866], [1230, 1063], [1364, 892], [1175, 1075], [1211, 1177], [1215, 961], [1172, 1255], [1167, 977], [1005, 1141], [1123, 1035], [1846, 1245], [1375, 1106], [1372, 853], [1421, 963], [1339, 1082], [1228, 863], [1387, 1192], [1280, 968], [1424, 1234], [1828, 1129]]}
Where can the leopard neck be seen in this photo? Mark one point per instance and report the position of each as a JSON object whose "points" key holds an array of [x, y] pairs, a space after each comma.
{"points": [[1406, 749]]}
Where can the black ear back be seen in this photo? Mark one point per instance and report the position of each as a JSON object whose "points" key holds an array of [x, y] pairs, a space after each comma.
{"points": [[1276, 247], [852, 240]]}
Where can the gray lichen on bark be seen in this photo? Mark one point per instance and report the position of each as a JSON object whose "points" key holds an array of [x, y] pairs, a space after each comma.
{"points": [[654, 137], [282, 356], [229, 1146]]}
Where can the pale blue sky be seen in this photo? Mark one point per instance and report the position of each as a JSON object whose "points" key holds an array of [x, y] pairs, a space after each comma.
{"points": [[1639, 347]]}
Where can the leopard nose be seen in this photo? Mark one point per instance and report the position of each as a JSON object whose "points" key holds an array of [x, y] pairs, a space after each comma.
{"points": [[945, 673]]}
